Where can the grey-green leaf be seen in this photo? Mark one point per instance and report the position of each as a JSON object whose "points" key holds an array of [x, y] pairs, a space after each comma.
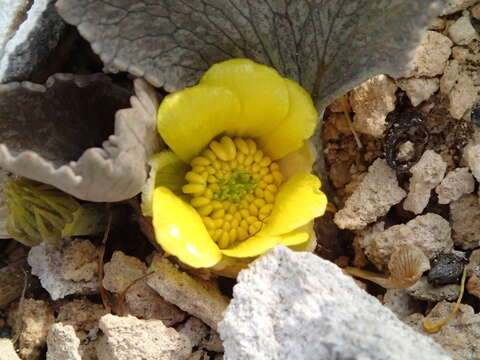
{"points": [[329, 46]]}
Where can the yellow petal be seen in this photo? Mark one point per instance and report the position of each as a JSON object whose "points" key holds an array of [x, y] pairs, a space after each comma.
{"points": [[298, 125], [309, 245], [298, 201], [180, 231], [189, 119], [166, 169], [259, 244], [261, 90], [297, 162]]}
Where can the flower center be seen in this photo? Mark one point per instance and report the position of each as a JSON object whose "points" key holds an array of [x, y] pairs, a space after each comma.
{"points": [[233, 185]]}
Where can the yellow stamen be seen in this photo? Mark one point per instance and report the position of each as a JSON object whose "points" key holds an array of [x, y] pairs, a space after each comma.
{"points": [[233, 185]]}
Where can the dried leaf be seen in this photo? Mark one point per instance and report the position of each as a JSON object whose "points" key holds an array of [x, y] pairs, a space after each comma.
{"points": [[53, 134], [329, 46]]}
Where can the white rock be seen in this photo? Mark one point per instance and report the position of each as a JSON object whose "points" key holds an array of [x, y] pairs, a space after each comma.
{"points": [[459, 336], [371, 102], [406, 151], [430, 232], [129, 338], [29, 36], [462, 31], [462, 96], [400, 303], [472, 157], [465, 219], [141, 301], [419, 89], [432, 55], [80, 261], [458, 182], [200, 298], [450, 77], [47, 263], [422, 290], [453, 6], [7, 350], [194, 329], [375, 195], [295, 305], [427, 173], [62, 343], [476, 11], [31, 326]]}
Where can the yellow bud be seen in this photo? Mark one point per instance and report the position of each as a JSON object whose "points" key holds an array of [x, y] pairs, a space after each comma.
{"points": [[218, 223], [229, 147], [262, 184], [241, 145], [208, 193], [209, 223], [251, 219], [254, 228], [259, 203], [258, 156], [220, 213], [274, 166], [193, 188], [277, 176], [224, 240], [253, 210], [242, 233], [232, 235], [195, 178], [205, 210], [217, 234], [210, 155], [268, 178], [248, 160], [258, 192], [265, 161], [252, 146], [273, 188], [199, 201], [200, 161], [268, 196], [228, 217]]}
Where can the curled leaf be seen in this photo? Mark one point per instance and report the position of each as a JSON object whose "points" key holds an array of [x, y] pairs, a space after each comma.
{"points": [[70, 134]]}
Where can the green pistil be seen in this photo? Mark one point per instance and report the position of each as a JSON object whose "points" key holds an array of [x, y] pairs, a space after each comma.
{"points": [[235, 187]]}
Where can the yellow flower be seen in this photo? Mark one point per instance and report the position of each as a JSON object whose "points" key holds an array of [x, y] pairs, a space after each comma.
{"points": [[236, 180]]}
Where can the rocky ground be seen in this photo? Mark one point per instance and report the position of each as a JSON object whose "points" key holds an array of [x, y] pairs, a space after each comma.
{"points": [[403, 159]]}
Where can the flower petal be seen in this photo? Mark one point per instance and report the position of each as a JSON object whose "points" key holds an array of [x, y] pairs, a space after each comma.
{"points": [[298, 201], [297, 162], [261, 90], [259, 244], [180, 231], [298, 125], [166, 169], [189, 119], [309, 245]]}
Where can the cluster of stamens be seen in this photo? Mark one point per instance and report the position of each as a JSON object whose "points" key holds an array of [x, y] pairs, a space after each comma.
{"points": [[232, 185]]}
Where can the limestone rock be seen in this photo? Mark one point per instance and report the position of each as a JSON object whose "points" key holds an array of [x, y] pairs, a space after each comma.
{"points": [[400, 303], [62, 343], [462, 96], [375, 195], [432, 55], [47, 263], [476, 11], [371, 102], [462, 31], [459, 336], [473, 285], [465, 219], [437, 24], [419, 89], [194, 329], [83, 316], [141, 300], [80, 261], [450, 77], [453, 6], [458, 182], [199, 298], [283, 309], [7, 350], [129, 338], [213, 342], [472, 157], [31, 325], [32, 30], [406, 151], [423, 290], [426, 174], [430, 232]]}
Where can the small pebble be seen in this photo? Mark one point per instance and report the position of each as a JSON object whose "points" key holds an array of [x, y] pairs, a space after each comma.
{"points": [[446, 269]]}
